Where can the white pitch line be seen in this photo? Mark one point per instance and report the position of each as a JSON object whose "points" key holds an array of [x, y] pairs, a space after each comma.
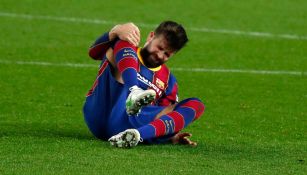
{"points": [[213, 70], [74, 65], [194, 29], [270, 72]]}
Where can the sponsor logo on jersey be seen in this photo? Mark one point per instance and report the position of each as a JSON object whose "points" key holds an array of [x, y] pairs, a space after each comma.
{"points": [[128, 50], [129, 54], [149, 83]]}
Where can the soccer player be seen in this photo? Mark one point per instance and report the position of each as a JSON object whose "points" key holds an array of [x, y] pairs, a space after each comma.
{"points": [[134, 97]]}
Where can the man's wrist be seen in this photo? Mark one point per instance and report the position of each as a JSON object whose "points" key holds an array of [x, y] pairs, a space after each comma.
{"points": [[112, 33]]}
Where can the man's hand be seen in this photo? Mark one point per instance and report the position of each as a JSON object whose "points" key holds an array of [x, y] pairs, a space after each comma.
{"points": [[127, 32], [183, 138]]}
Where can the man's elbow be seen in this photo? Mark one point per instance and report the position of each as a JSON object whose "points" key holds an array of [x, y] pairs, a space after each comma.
{"points": [[94, 54]]}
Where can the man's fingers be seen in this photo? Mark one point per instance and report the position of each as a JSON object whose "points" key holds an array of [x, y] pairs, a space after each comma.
{"points": [[136, 32], [183, 138], [193, 144], [187, 141], [136, 29], [132, 40], [185, 134], [136, 38]]}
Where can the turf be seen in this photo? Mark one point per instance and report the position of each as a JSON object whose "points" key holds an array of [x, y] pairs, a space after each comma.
{"points": [[253, 124]]}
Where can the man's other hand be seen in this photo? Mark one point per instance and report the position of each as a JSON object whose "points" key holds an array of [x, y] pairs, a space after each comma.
{"points": [[183, 138]]}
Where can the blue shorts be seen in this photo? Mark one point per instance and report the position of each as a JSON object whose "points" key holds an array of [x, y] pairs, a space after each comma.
{"points": [[105, 108]]}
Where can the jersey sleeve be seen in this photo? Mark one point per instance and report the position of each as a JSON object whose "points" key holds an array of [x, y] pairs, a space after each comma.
{"points": [[171, 94], [100, 46]]}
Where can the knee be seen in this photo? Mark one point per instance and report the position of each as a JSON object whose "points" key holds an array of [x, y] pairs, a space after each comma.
{"points": [[194, 103]]}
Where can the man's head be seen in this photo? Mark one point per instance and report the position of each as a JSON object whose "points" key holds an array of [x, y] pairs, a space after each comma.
{"points": [[168, 38]]}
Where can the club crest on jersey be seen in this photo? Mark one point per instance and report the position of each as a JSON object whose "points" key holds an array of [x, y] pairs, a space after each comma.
{"points": [[160, 83]]}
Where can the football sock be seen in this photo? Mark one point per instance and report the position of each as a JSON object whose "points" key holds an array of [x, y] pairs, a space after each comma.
{"points": [[127, 62], [183, 114]]}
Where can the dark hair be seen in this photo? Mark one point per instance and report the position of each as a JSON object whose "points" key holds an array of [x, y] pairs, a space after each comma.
{"points": [[174, 34]]}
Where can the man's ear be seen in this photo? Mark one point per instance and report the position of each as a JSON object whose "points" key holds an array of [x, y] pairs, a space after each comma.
{"points": [[150, 36]]}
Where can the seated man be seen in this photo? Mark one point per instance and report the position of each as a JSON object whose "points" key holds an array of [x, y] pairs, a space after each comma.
{"points": [[134, 97]]}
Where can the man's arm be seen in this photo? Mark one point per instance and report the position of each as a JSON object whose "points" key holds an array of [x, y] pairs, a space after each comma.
{"points": [[127, 32]]}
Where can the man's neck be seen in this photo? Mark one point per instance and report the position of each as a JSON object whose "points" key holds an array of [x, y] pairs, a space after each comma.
{"points": [[143, 54]]}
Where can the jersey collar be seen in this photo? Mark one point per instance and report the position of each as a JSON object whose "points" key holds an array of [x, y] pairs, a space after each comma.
{"points": [[141, 60]]}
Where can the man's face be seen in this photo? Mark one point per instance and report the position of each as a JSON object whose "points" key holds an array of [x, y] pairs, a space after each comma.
{"points": [[156, 51]]}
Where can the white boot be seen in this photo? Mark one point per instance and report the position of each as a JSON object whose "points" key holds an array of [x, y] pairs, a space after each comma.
{"points": [[126, 139], [138, 98]]}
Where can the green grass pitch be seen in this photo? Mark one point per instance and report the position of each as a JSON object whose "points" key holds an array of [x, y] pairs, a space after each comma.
{"points": [[254, 123]]}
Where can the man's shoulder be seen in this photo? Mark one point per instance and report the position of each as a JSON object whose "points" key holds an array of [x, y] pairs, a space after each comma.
{"points": [[164, 70], [167, 70], [165, 74]]}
